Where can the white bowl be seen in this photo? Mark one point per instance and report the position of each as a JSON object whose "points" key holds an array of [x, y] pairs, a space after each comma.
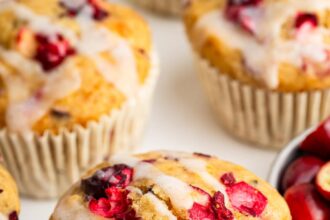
{"points": [[285, 157]]}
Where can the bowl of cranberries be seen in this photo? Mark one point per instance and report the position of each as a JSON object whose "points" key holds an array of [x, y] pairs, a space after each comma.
{"points": [[301, 173]]}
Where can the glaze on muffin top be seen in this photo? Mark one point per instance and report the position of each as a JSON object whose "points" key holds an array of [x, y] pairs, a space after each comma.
{"points": [[269, 35], [169, 186], [45, 48]]}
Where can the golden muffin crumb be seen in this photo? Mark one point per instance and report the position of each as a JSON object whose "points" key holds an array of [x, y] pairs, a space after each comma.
{"points": [[9, 200]]}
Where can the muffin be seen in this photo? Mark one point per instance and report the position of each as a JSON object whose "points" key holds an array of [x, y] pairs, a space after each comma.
{"points": [[264, 64], [9, 200], [170, 185], [165, 7], [76, 84]]}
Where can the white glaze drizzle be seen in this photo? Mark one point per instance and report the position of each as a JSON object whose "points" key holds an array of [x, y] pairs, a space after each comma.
{"points": [[24, 111], [73, 209], [3, 217], [160, 206], [181, 194], [25, 106], [267, 50], [199, 166]]}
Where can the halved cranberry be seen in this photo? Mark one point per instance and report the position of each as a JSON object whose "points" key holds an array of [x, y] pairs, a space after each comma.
{"points": [[304, 19], [119, 175], [219, 207], [235, 11], [117, 205], [200, 212], [100, 207], [213, 209], [228, 179], [52, 51], [246, 199]]}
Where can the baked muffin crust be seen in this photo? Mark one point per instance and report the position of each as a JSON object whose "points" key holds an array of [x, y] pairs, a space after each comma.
{"points": [[267, 43], [171, 185], [9, 200], [106, 59]]}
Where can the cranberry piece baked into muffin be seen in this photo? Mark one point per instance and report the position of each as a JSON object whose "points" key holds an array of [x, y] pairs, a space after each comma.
{"points": [[76, 82], [9, 200], [264, 63], [170, 185]]}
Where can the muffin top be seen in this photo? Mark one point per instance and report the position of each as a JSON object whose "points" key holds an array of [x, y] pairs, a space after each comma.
{"points": [[64, 62], [169, 186], [277, 44], [9, 200]]}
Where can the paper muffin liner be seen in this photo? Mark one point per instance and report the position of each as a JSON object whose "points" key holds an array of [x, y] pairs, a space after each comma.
{"points": [[265, 118], [45, 166], [169, 7]]}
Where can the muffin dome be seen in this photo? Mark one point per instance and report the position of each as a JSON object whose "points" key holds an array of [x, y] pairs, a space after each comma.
{"points": [[9, 200], [64, 63], [170, 185], [281, 45]]}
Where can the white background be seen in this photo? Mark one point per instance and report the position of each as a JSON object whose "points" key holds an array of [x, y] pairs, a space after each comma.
{"points": [[181, 118]]}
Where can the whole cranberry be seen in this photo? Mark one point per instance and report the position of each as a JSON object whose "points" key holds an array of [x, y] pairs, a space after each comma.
{"points": [[318, 142], [306, 204], [302, 170]]}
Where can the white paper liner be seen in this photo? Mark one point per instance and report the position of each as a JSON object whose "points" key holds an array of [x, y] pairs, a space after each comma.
{"points": [[169, 7], [45, 166], [267, 119]]}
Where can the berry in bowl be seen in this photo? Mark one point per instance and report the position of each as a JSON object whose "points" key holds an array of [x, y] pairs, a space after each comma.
{"points": [[301, 173]]}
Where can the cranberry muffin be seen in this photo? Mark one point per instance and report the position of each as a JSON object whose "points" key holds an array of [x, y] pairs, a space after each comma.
{"points": [[78, 73], [9, 200], [266, 60], [281, 45], [170, 185]]}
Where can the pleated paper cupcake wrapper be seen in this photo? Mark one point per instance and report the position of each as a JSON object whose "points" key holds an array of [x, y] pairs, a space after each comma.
{"points": [[166, 7], [45, 166], [265, 118]]}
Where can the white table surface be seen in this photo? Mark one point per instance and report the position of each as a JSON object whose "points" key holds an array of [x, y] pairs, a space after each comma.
{"points": [[181, 118]]}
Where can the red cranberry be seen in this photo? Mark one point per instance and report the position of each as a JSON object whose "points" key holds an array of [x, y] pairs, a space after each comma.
{"points": [[200, 212], [305, 203], [13, 216], [318, 142], [235, 12], [98, 12], [219, 207], [213, 209], [119, 175], [306, 18], [228, 179], [52, 52], [302, 170], [246, 199], [117, 205]]}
